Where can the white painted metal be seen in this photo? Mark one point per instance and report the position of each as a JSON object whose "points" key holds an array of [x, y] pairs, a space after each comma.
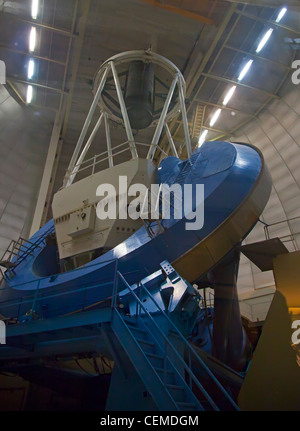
{"points": [[124, 112], [71, 202], [52, 151], [108, 141], [171, 142], [75, 169], [162, 119], [87, 123]]}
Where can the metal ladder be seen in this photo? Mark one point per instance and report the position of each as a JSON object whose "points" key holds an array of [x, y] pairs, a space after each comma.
{"points": [[165, 372]]}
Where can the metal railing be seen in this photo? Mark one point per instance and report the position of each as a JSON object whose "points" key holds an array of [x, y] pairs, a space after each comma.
{"points": [[290, 237], [191, 351], [37, 304], [18, 250], [93, 163]]}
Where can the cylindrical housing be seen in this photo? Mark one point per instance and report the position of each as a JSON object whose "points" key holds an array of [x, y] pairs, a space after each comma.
{"points": [[139, 94]]}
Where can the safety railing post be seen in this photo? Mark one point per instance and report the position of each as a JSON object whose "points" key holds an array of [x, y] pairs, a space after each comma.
{"points": [[115, 286], [34, 300]]}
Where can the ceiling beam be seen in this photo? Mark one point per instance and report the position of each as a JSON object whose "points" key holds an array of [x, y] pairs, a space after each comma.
{"points": [[32, 55], [179, 11], [258, 111], [192, 82], [240, 84], [36, 84], [216, 105], [34, 105], [268, 22], [76, 54], [259, 57], [268, 3], [44, 26]]}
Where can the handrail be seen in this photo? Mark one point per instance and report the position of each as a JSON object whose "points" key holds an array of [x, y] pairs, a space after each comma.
{"points": [[190, 348], [198, 384], [38, 295], [291, 235], [62, 273], [105, 155]]}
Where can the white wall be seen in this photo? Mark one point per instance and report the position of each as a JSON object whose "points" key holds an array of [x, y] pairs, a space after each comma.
{"points": [[24, 140], [276, 132]]}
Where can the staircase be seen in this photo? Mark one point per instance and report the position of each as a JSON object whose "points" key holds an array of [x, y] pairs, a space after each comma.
{"points": [[150, 340], [198, 121], [18, 250]]}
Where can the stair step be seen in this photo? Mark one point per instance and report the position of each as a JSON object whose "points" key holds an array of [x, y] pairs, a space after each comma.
{"points": [[186, 406], [155, 360], [148, 346], [129, 320], [161, 370], [167, 376], [137, 329], [177, 392], [170, 386]]}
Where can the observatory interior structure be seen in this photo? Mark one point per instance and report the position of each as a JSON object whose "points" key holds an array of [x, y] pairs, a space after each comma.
{"points": [[149, 205]]}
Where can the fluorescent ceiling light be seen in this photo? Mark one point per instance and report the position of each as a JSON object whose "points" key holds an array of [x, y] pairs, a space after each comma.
{"points": [[29, 94], [264, 40], [281, 14], [202, 138], [30, 70], [245, 70], [229, 95], [32, 39], [215, 117], [34, 8]]}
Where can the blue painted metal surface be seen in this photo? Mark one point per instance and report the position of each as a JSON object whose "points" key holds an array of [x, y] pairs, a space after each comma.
{"points": [[228, 172]]}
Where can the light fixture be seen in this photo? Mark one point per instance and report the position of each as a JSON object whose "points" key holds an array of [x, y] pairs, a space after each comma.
{"points": [[215, 117], [29, 94], [264, 40], [229, 95], [202, 138], [34, 9], [32, 39], [245, 70], [30, 70], [281, 14]]}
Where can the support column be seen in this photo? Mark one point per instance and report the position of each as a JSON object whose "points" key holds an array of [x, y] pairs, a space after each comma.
{"points": [[51, 157], [228, 334]]}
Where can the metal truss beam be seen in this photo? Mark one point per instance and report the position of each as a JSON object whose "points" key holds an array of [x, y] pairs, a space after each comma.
{"points": [[34, 105], [267, 22], [32, 55], [180, 11], [258, 111], [259, 57], [76, 52], [44, 26], [268, 3], [204, 61], [36, 84], [216, 105], [240, 84]]}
